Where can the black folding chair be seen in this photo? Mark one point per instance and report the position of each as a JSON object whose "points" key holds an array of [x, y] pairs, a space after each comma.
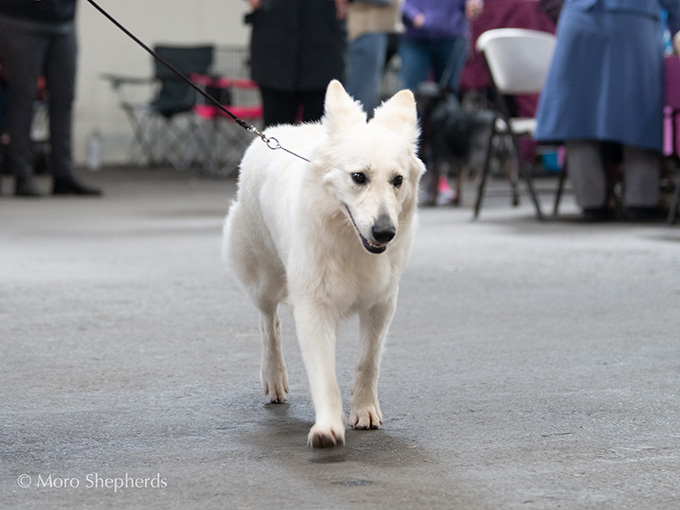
{"points": [[160, 129]]}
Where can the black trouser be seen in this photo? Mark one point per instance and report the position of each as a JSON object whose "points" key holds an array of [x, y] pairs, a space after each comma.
{"points": [[29, 51], [281, 107]]}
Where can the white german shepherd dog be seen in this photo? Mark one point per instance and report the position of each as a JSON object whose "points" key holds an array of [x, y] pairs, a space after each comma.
{"points": [[332, 236]]}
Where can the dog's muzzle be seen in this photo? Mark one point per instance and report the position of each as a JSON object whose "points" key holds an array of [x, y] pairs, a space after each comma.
{"points": [[382, 232]]}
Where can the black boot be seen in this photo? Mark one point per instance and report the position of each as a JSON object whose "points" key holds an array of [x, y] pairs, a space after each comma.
{"points": [[597, 214], [71, 186], [645, 214], [26, 187]]}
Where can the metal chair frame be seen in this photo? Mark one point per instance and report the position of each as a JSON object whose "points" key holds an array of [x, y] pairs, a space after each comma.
{"points": [[161, 126], [518, 62]]}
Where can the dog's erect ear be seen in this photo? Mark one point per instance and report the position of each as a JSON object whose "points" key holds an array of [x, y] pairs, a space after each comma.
{"points": [[400, 115], [341, 111]]}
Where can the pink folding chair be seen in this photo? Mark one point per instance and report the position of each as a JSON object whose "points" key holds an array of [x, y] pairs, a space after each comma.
{"points": [[219, 141]]}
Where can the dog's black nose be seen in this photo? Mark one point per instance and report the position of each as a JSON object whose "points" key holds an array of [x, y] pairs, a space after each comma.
{"points": [[383, 230]]}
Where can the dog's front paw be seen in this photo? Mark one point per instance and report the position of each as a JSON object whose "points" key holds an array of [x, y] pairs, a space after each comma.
{"points": [[326, 436], [366, 417], [275, 386]]}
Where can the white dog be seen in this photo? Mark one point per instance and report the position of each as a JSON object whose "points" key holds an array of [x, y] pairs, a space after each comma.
{"points": [[332, 236]]}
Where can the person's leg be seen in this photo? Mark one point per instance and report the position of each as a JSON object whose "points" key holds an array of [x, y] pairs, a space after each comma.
{"points": [[22, 54], [448, 62], [364, 71], [60, 80], [584, 160], [312, 105], [641, 170], [279, 107], [415, 63]]}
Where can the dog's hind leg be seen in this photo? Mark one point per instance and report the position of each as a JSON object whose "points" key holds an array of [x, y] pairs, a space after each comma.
{"points": [[316, 331], [263, 276], [268, 292], [274, 376], [374, 322]]}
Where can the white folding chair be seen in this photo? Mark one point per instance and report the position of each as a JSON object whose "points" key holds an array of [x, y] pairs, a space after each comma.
{"points": [[518, 61]]}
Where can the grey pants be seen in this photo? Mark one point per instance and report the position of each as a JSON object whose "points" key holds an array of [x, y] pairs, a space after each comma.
{"points": [[641, 170], [28, 51]]}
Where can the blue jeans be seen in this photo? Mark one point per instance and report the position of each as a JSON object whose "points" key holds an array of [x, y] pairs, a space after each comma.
{"points": [[419, 57], [364, 70]]}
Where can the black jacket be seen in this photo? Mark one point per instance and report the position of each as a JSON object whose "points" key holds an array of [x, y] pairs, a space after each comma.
{"points": [[46, 11], [297, 44]]}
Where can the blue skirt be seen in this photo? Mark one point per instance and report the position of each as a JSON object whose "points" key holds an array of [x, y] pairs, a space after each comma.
{"points": [[606, 80]]}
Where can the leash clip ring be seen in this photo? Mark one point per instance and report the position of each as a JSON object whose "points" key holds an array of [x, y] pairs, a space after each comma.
{"points": [[272, 143]]}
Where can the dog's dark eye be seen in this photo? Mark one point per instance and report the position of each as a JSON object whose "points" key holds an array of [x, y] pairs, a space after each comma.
{"points": [[397, 181], [359, 177]]}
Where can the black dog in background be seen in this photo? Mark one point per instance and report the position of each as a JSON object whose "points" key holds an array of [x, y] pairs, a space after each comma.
{"points": [[453, 140]]}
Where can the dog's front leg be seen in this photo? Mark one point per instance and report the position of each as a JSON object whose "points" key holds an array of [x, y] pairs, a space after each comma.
{"points": [[374, 322], [316, 330]]}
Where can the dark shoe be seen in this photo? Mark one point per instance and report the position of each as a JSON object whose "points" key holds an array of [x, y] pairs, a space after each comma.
{"points": [[74, 187], [26, 187], [597, 214], [645, 214]]}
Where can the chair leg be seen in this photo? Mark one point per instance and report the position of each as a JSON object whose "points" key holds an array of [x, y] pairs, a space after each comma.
{"points": [[191, 148], [532, 190], [526, 175], [142, 127], [179, 139], [202, 145], [209, 142], [485, 171], [560, 190], [513, 180], [675, 203], [170, 145], [213, 149]]}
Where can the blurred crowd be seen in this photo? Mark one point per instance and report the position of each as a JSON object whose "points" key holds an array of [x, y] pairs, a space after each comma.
{"points": [[603, 99]]}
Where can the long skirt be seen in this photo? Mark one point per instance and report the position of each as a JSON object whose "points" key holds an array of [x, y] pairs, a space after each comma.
{"points": [[606, 80]]}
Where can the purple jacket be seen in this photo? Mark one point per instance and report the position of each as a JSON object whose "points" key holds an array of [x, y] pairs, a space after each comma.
{"points": [[443, 19]]}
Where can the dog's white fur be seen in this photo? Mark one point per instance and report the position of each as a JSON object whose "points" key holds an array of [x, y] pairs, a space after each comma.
{"points": [[303, 230]]}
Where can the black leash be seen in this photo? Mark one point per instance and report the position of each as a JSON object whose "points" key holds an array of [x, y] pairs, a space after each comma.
{"points": [[451, 63], [271, 142]]}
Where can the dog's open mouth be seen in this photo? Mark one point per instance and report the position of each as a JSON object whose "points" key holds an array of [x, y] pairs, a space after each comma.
{"points": [[371, 246]]}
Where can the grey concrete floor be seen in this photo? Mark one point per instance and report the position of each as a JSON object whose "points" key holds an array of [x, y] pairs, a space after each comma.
{"points": [[530, 365]]}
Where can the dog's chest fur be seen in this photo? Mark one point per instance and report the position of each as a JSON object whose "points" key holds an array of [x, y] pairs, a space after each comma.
{"points": [[345, 274]]}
